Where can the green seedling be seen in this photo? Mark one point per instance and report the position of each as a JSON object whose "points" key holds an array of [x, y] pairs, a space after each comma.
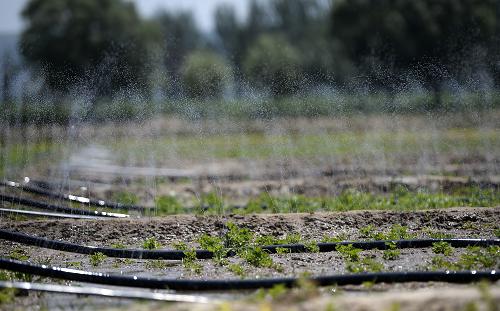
{"points": [[151, 244], [19, 254], [189, 262], [349, 252], [496, 232], [442, 248], [118, 246], [74, 264], [364, 265], [367, 232], [216, 246], [392, 253], [237, 269], [156, 264], [334, 239], [312, 246], [238, 238], [283, 250], [257, 257], [97, 258]]}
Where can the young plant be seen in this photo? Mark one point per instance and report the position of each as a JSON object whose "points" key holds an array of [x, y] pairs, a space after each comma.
{"points": [[237, 269], [97, 258], [392, 253], [349, 252], [19, 254], [442, 248], [312, 246], [216, 246], [151, 244], [189, 261], [364, 265]]}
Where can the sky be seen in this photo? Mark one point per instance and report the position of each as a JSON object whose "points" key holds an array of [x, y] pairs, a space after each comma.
{"points": [[11, 22]]}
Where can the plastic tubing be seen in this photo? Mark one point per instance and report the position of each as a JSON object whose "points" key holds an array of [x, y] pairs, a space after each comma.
{"points": [[204, 254], [58, 208], [70, 197], [44, 214], [105, 292], [237, 284]]}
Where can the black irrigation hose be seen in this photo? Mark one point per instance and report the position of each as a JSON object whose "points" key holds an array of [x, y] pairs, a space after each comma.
{"points": [[105, 292], [57, 208], [70, 197], [44, 214], [237, 284], [204, 254]]}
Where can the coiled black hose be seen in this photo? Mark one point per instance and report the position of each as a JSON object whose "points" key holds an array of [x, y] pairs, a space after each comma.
{"points": [[204, 254], [236, 284], [58, 208], [71, 197]]}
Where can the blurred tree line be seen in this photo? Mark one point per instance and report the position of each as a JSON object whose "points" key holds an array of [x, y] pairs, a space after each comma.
{"points": [[104, 48]]}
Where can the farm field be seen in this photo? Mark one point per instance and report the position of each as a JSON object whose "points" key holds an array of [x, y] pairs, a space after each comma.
{"points": [[281, 181]]}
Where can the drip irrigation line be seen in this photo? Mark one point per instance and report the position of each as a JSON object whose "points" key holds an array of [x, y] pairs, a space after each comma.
{"points": [[238, 284], [106, 292], [204, 254], [58, 208], [70, 197], [43, 214]]}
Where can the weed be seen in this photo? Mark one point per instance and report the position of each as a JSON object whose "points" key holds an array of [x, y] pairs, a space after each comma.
{"points": [[349, 252], [19, 254], [442, 248], [392, 253], [97, 258], [151, 244], [237, 269]]}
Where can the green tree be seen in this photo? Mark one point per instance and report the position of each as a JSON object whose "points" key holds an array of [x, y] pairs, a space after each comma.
{"points": [[205, 75], [101, 43], [429, 38], [272, 63]]}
